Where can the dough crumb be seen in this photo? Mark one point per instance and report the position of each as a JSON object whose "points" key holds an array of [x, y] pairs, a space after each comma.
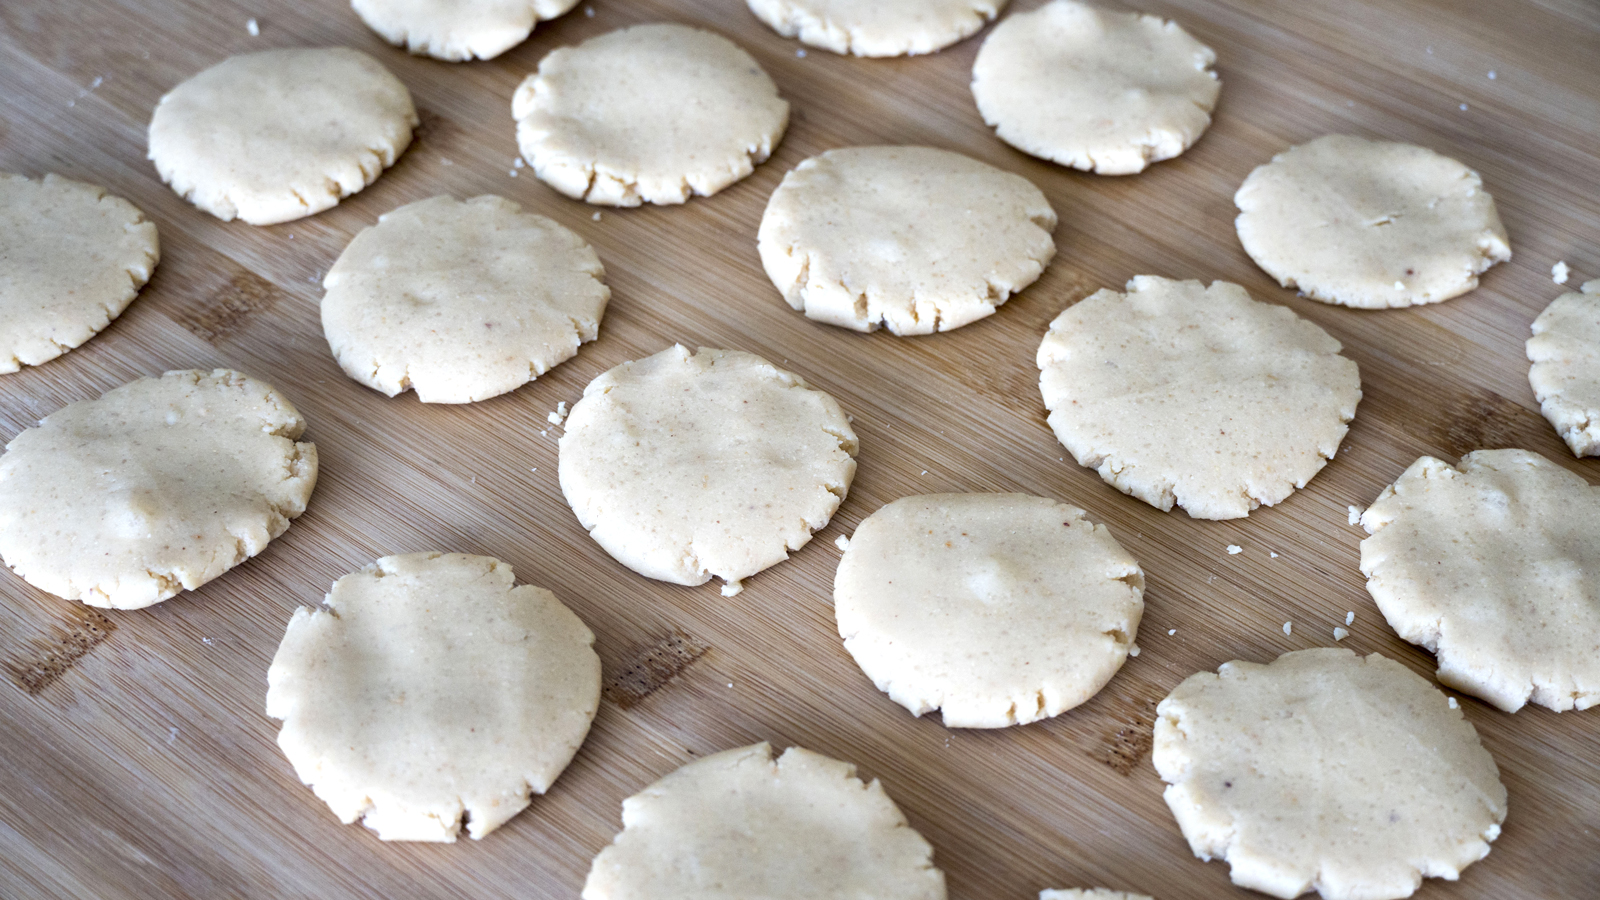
{"points": [[1463, 107], [1350, 618], [800, 53], [842, 542], [1235, 549], [560, 415], [1492, 75], [732, 589], [1339, 633], [1355, 514], [1171, 632], [1134, 650], [1453, 703], [252, 26], [1288, 628], [1272, 554], [595, 217], [588, 12], [1560, 272]]}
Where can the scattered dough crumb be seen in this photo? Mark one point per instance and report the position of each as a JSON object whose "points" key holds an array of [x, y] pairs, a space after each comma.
{"points": [[588, 11], [1463, 107], [1134, 651], [517, 163], [1453, 703], [1272, 554], [842, 542], [731, 589], [252, 26], [1492, 75], [1235, 549], [1171, 632], [1560, 272], [560, 415], [1350, 618], [1288, 628], [800, 53], [595, 217], [1339, 633], [1355, 514]]}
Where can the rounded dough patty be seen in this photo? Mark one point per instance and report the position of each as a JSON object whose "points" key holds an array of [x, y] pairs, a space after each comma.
{"points": [[915, 239], [1565, 375], [1329, 772], [1369, 224], [156, 487], [278, 135], [461, 300], [1180, 393], [999, 609], [428, 691], [740, 824], [72, 257], [1090, 894], [457, 30], [878, 27]]}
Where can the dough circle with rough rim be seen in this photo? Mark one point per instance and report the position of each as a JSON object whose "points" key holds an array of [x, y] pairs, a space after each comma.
{"points": [[1094, 89], [428, 693], [1176, 392], [740, 824], [461, 300], [998, 609], [457, 30], [911, 238], [879, 27], [157, 486], [647, 114], [1565, 375], [1369, 224], [277, 135], [72, 257], [1326, 771], [1494, 566]]}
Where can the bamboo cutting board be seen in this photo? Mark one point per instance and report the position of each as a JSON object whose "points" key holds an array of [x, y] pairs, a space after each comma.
{"points": [[138, 761]]}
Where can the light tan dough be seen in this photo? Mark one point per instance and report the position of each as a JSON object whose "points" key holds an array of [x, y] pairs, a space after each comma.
{"points": [[1176, 392], [1103, 91], [428, 694], [914, 239], [999, 609], [157, 486], [739, 825], [1325, 771], [647, 114], [1565, 375], [457, 30], [688, 465], [72, 257], [1091, 894], [878, 27], [1369, 224], [461, 300], [1494, 567], [278, 135]]}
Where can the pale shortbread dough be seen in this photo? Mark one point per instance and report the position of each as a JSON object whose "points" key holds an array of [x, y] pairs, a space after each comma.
{"points": [[1180, 393], [461, 300], [1325, 771], [157, 486], [1091, 894], [648, 114], [457, 30], [1495, 567], [877, 27], [273, 136], [1369, 224], [688, 465], [1095, 89], [72, 257], [740, 825], [428, 694], [911, 238], [1565, 375], [999, 609]]}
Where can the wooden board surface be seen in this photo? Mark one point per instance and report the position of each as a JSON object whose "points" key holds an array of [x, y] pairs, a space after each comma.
{"points": [[142, 765]]}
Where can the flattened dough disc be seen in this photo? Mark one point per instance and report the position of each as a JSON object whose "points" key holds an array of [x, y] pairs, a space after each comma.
{"points": [[877, 27], [1565, 375], [457, 30]]}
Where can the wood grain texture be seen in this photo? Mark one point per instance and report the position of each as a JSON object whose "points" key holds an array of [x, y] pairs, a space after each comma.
{"points": [[142, 764]]}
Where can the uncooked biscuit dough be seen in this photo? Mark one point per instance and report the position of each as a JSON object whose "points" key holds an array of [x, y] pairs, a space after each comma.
{"points": [[1565, 375], [688, 465], [1329, 772], [1180, 393], [911, 238], [877, 27], [281, 134], [461, 300], [72, 257], [1091, 894], [156, 487], [1369, 224], [1492, 566], [739, 825], [999, 609], [648, 114], [1094, 89], [428, 694], [457, 30]]}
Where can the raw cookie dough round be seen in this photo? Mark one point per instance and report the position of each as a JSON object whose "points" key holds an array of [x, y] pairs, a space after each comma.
{"points": [[915, 239], [877, 27], [1565, 375], [1493, 567], [158, 486], [1329, 772], [688, 465], [999, 609], [72, 257], [428, 690], [647, 114], [461, 301], [740, 825], [1177, 392], [1369, 224], [281, 134], [1091, 894], [457, 30], [1095, 89]]}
